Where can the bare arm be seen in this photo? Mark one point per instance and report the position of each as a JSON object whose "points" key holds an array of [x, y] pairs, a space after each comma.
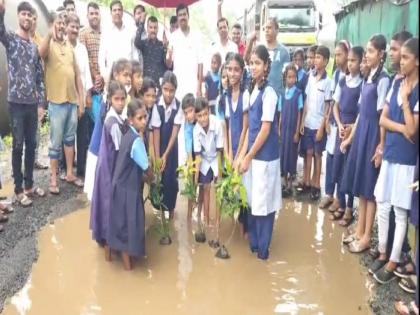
{"points": [[79, 87], [243, 133], [219, 9], [172, 141], [337, 114], [44, 48], [151, 145], [409, 129], [156, 142], [4, 35], [249, 47], [200, 78]]}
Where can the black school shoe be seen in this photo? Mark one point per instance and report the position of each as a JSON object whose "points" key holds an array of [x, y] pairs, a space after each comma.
{"points": [[384, 276], [315, 194], [286, 193]]}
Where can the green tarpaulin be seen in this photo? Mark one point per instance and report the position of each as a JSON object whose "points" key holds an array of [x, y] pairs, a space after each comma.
{"points": [[361, 19]]}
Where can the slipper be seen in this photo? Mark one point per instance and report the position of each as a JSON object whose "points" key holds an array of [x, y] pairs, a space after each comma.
{"points": [[54, 190], [355, 247], [409, 284], [334, 206], [349, 239], [214, 244], [345, 222], [403, 272], [6, 209], [3, 218], [2, 198], [404, 309], [325, 202], [35, 192], [77, 182], [40, 166], [336, 215], [23, 200]]}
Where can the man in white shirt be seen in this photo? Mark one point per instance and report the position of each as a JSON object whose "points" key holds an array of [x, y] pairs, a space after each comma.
{"points": [[185, 55], [224, 45], [117, 41]]}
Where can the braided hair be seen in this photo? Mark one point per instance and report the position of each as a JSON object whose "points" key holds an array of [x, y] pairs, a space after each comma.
{"points": [[113, 88], [290, 67], [378, 41], [222, 92], [262, 53]]}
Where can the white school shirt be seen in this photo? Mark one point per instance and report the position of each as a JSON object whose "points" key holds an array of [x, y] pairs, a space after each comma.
{"points": [[382, 89], [187, 55], [82, 60], [115, 129], [116, 43], [245, 104], [207, 145], [318, 92], [270, 101], [156, 122], [351, 82], [223, 50]]}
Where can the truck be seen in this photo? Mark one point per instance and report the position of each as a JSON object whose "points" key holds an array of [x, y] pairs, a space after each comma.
{"points": [[299, 21]]}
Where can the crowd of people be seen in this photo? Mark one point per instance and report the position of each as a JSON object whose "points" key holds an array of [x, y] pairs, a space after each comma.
{"points": [[124, 100]]}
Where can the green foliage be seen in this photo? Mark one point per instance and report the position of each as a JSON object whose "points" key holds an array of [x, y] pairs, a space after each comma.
{"points": [[45, 129], [187, 172], [231, 193], [8, 141], [156, 198]]}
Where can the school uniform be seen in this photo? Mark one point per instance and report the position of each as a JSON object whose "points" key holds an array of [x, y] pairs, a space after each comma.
{"points": [[318, 92], [212, 81], [126, 231], [220, 108], [207, 145], [302, 81], [397, 174], [263, 180], [189, 138], [331, 140], [347, 96], [289, 106], [165, 118], [235, 116], [360, 174], [101, 198], [92, 155]]}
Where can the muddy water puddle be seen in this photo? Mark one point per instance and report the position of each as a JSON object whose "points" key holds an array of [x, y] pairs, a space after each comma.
{"points": [[308, 272]]}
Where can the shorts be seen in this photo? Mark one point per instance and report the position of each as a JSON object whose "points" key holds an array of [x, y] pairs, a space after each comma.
{"points": [[309, 143], [206, 179]]}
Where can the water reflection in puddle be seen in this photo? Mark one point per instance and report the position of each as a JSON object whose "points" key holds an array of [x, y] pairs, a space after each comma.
{"points": [[308, 273]]}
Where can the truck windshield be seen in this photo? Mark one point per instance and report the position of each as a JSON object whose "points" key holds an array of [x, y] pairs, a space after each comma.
{"points": [[294, 19]]}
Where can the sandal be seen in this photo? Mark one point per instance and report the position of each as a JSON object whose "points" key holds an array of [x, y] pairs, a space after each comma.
{"points": [[356, 247], [403, 272], [35, 192], [23, 200], [54, 190], [346, 221], [6, 209], [337, 215], [77, 182], [334, 206], [409, 284], [40, 166], [3, 218], [350, 239], [403, 309], [326, 202]]}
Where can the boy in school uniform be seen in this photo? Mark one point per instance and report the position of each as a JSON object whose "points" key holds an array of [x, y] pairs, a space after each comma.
{"points": [[188, 107], [208, 148], [212, 82], [314, 119]]}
